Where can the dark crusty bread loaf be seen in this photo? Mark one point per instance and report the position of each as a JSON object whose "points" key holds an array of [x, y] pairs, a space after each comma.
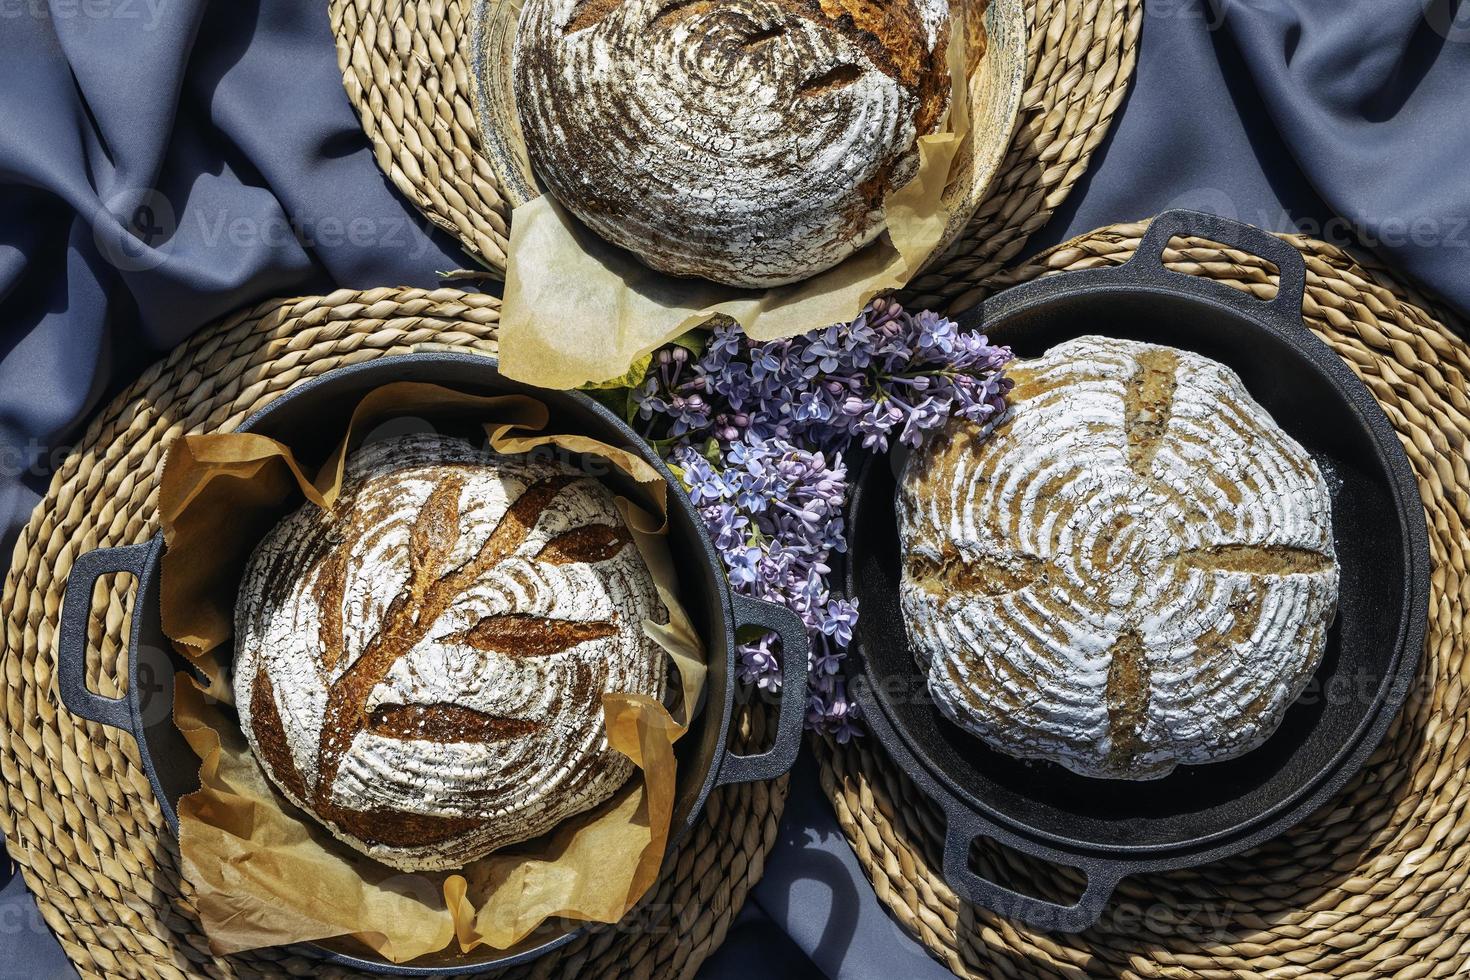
{"points": [[422, 667], [751, 142]]}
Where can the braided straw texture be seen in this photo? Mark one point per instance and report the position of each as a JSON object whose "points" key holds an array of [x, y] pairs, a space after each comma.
{"points": [[405, 64], [1080, 55], [78, 813], [406, 67], [1372, 885]]}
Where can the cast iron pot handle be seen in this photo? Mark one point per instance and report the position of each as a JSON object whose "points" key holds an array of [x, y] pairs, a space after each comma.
{"points": [[779, 758], [71, 647], [1286, 308], [965, 826]]}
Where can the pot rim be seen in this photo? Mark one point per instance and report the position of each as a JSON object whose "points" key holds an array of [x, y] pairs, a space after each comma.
{"points": [[143, 560], [1144, 276]]}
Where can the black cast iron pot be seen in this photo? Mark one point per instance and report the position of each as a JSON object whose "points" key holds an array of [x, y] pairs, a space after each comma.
{"points": [[1109, 829], [307, 416]]}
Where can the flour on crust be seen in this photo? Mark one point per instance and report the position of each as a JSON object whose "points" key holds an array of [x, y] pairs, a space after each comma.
{"points": [[750, 142], [421, 668], [1135, 570]]}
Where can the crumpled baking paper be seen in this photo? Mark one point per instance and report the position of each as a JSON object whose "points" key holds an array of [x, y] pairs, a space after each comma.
{"points": [[578, 309], [265, 874]]}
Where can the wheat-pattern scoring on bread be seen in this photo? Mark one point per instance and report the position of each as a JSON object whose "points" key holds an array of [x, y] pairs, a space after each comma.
{"points": [[422, 667], [1135, 570], [751, 142]]}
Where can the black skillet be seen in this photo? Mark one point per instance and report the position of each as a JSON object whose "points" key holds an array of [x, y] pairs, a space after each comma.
{"points": [[1110, 829]]}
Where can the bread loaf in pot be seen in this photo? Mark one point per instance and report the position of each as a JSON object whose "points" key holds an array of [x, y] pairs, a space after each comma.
{"points": [[421, 668], [1134, 571], [750, 142]]}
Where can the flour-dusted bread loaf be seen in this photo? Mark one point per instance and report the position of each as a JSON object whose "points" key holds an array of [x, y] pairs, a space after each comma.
{"points": [[1135, 570], [422, 667], [751, 142]]}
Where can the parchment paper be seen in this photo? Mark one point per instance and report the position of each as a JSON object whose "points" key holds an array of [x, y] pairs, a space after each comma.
{"points": [[578, 309], [266, 874]]}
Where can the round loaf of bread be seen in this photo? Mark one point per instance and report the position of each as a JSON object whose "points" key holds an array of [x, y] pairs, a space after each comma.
{"points": [[421, 668], [751, 142], [1133, 571]]}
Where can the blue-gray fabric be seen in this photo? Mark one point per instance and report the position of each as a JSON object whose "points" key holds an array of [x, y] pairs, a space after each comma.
{"points": [[163, 162]]}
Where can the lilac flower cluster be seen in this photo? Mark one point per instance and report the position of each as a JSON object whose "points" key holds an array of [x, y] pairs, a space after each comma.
{"points": [[776, 513], [733, 415], [888, 373]]}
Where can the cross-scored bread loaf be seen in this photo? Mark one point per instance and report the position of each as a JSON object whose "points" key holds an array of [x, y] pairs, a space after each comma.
{"points": [[751, 142], [421, 668], [1135, 570]]}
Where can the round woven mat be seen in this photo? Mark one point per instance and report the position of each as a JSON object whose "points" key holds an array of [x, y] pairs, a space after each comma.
{"points": [[79, 815], [406, 67], [1373, 885]]}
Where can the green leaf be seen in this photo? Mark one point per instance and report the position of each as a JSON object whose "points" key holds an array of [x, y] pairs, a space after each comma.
{"points": [[614, 400], [751, 634], [631, 378], [695, 341]]}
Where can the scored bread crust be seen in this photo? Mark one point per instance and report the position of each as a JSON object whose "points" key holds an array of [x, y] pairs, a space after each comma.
{"points": [[1135, 570], [751, 142], [421, 668]]}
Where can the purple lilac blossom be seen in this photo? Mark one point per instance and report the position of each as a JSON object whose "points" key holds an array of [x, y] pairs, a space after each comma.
{"points": [[737, 415]]}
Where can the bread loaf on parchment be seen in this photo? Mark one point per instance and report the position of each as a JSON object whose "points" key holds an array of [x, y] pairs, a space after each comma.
{"points": [[751, 142], [422, 667]]}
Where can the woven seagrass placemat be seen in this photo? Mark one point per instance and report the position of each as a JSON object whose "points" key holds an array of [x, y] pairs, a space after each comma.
{"points": [[79, 815], [406, 65], [1373, 885]]}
